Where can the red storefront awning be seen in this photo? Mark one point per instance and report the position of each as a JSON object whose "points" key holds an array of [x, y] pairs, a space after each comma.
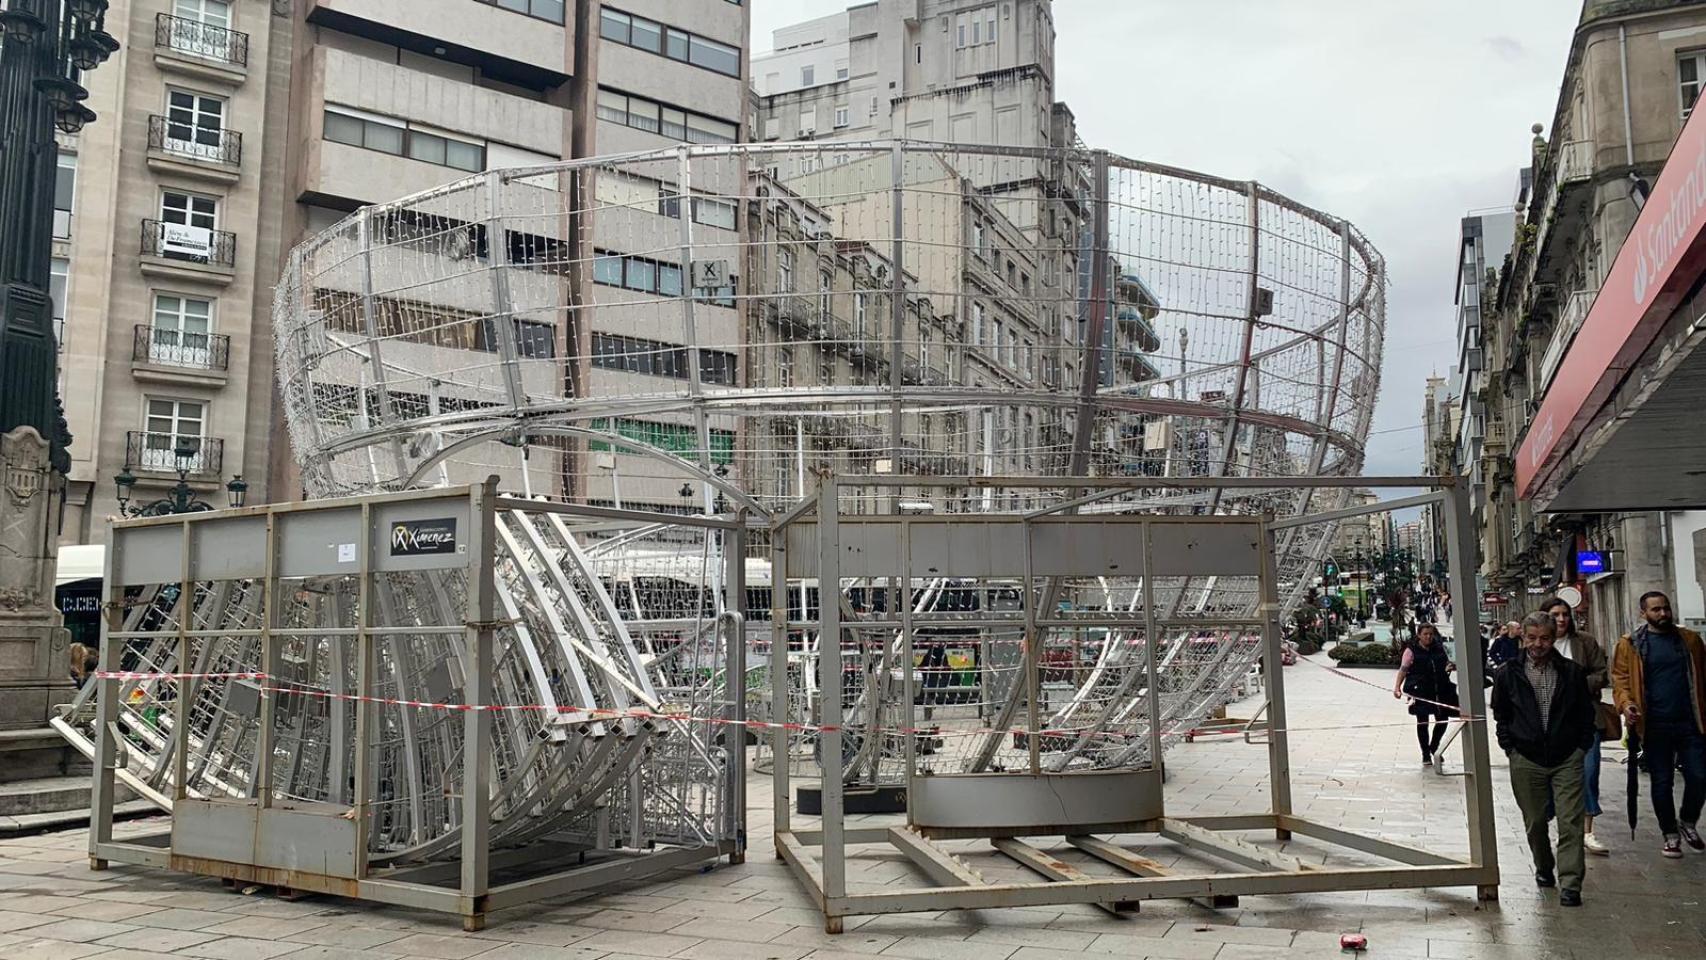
{"points": [[1656, 267]]}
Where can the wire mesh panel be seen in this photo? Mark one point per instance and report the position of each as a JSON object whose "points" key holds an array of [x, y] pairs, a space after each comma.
{"points": [[698, 329]]}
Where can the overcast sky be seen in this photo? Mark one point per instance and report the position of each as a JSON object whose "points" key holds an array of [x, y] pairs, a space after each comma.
{"points": [[1400, 117]]}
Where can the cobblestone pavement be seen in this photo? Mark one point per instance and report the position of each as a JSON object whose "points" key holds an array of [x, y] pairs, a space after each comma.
{"points": [[1369, 779]]}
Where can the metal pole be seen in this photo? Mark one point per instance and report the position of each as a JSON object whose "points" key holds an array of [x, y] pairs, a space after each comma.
{"points": [[106, 708], [909, 679], [734, 613], [1033, 656], [366, 725], [267, 737], [829, 686], [1279, 752], [503, 304], [181, 687], [1151, 641], [476, 723], [695, 374], [1478, 781], [780, 751]]}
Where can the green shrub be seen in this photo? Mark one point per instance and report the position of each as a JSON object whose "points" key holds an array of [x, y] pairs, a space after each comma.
{"points": [[1368, 654]]}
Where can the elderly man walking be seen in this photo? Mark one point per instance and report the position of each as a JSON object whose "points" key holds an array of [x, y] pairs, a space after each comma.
{"points": [[1544, 720]]}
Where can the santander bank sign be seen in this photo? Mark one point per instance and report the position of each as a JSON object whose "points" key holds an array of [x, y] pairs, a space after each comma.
{"points": [[1658, 263]]}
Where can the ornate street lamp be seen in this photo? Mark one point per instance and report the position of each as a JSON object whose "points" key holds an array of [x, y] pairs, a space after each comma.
{"points": [[181, 498], [48, 45]]}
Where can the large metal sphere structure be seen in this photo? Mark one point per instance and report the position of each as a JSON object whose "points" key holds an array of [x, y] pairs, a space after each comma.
{"points": [[698, 330]]}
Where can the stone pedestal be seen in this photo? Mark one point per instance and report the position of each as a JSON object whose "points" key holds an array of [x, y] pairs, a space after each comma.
{"points": [[33, 641]]}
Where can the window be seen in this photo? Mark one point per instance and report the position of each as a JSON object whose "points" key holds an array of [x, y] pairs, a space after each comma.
{"points": [[654, 37], [551, 10], [64, 194], [859, 314], [826, 371], [976, 32], [989, 26], [195, 123], [58, 284], [653, 117], [1690, 78], [189, 210], [658, 359], [164, 424], [784, 368], [807, 75], [960, 41], [652, 276], [785, 270], [396, 138], [840, 116], [977, 239], [917, 57], [674, 437], [841, 71], [180, 335], [977, 330], [214, 13]]}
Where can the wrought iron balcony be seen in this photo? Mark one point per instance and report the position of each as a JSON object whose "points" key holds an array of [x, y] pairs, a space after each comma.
{"points": [[157, 452], [208, 144], [199, 39], [181, 348], [178, 241]]}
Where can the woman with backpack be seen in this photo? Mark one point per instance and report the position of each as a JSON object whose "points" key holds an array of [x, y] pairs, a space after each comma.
{"points": [[1424, 676]]}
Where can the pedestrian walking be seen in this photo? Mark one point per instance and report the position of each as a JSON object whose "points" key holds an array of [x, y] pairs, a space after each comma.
{"points": [[1587, 652], [1658, 680], [1424, 675], [1505, 646], [1544, 722]]}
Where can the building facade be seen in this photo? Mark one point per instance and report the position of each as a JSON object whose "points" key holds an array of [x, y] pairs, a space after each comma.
{"points": [[232, 129], [1634, 72]]}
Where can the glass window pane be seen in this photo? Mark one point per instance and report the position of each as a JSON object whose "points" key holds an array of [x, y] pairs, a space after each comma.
{"points": [[676, 46], [642, 114], [717, 56], [383, 137], [647, 35], [612, 107], [607, 270], [341, 128], [613, 26], [642, 275], [669, 280], [706, 130], [551, 10], [426, 147], [465, 156], [674, 124]]}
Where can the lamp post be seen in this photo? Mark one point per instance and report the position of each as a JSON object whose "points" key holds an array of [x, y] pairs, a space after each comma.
{"points": [[48, 45], [182, 497]]}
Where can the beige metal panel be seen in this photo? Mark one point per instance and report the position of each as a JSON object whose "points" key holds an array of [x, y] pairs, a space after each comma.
{"points": [[1224, 549], [229, 549], [151, 554]]}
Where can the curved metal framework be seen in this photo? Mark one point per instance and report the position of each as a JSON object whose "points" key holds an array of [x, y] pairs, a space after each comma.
{"points": [[700, 330]]}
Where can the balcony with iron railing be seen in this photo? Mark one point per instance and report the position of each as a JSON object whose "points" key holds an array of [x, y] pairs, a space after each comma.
{"points": [[185, 252], [199, 49], [209, 153], [1564, 207], [157, 453], [184, 353], [1564, 332]]}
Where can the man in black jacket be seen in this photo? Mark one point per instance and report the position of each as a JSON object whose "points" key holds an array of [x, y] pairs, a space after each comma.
{"points": [[1544, 721]]}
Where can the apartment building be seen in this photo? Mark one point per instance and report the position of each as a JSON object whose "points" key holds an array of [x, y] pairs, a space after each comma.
{"points": [[163, 254], [232, 129], [1633, 76]]}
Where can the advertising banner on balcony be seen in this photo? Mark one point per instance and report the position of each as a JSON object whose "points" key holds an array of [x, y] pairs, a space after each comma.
{"points": [[183, 240], [1655, 269]]}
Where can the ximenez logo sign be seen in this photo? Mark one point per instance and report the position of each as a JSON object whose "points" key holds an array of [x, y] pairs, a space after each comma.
{"points": [[410, 538]]}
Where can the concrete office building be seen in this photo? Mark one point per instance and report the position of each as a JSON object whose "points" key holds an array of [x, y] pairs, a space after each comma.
{"points": [[234, 128]]}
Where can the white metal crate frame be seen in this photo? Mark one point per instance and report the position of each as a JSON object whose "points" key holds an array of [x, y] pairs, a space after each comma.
{"points": [[499, 851], [815, 539]]}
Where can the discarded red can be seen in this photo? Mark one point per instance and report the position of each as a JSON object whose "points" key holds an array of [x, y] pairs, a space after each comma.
{"points": [[1354, 942]]}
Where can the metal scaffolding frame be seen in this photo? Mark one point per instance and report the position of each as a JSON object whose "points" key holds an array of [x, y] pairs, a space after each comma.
{"points": [[252, 825], [817, 539]]}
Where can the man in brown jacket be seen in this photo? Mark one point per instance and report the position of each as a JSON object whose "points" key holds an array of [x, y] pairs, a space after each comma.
{"points": [[1658, 678], [1587, 652]]}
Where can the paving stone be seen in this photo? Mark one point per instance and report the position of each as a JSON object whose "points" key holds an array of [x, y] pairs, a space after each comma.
{"points": [[240, 948], [734, 950], [156, 939], [633, 941], [440, 947], [542, 951], [80, 931], [54, 950]]}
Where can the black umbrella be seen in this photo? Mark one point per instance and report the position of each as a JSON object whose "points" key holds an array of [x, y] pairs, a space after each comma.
{"points": [[1634, 743]]}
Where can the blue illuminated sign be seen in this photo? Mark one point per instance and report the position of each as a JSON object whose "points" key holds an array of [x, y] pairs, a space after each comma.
{"points": [[1590, 562]]}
